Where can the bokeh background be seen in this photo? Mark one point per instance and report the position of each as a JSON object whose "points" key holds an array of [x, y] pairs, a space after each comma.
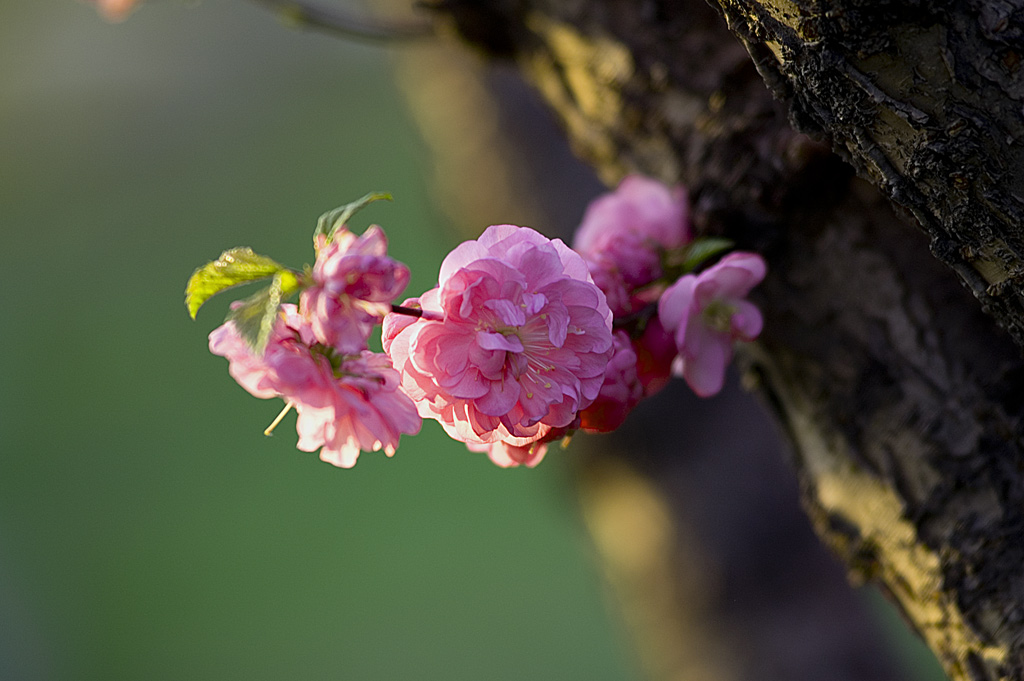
{"points": [[148, 530]]}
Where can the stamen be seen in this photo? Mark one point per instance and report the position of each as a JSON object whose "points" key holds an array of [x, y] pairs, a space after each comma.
{"points": [[718, 315], [270, 429]]}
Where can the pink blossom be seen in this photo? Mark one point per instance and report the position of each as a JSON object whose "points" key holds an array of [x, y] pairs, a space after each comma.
{"points": [[707, 314], [345, 403], [517, 346], [626, 231], [620, 391], [354, 284]]}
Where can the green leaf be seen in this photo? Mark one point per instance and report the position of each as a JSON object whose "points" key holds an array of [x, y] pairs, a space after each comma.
{"points": [[703, 249], [254, 318], [333, 220], [233, 268]]}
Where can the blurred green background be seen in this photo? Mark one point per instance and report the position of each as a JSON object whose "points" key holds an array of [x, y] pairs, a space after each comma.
{"points": [[148, 530]]}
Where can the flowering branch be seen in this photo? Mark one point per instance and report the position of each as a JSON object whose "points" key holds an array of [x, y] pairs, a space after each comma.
{"points": [[522, 342]]}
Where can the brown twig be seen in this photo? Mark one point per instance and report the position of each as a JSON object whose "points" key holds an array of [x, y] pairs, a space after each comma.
{"points": [[349, 24]]}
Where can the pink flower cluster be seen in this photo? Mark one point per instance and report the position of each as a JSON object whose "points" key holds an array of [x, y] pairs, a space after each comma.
{"points": [[628, 238], [347, 398], [522, 342]]}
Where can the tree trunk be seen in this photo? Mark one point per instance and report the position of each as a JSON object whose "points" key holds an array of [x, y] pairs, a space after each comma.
{"points": [[927, 100], [901, 399]]}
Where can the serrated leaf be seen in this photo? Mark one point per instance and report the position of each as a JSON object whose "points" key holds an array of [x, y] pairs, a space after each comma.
{"points": [[333, 220], [703, 249], [255, 317], [233, 268]]}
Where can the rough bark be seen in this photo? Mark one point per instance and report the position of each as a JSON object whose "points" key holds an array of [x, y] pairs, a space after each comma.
{"points": [[903, 402], [927, 100], [715, 569]]}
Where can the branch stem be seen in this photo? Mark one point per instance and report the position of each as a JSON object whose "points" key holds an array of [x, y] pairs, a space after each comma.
{"points": [[348, 24]]}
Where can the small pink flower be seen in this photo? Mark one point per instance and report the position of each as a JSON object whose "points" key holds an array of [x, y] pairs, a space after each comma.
{"points": [[513, 343], [345, 403], [627, 230], [354, 284], [707, 314], [620, 392]]}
